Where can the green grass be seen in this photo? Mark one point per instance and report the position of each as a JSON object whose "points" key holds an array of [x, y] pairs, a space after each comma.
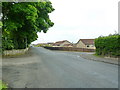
{"points": [[3, 86], [98, 55]]}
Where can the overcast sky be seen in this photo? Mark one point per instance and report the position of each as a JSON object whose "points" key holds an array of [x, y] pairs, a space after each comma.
{"points": [[81, 19]]}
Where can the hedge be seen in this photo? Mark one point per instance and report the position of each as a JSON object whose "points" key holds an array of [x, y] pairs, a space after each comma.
{"points": [[108, 45]]}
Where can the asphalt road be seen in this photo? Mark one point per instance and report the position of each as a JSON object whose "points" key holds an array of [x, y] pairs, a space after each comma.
{"points": [[42, 68]]}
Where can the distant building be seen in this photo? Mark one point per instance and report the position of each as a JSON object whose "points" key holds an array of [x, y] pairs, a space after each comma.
{"points": [[68, 45], [85, 43], [63, 43], [41, 44], [50, 43]]}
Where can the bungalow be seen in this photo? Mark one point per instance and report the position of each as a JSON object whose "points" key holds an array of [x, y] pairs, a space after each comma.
{"points": [[50, 43], [85, 43], [63, 43], [68, 45]]}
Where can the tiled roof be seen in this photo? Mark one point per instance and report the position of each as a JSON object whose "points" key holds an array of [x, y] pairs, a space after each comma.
{"points": [[62, 41], [50, 43], [87, 41], [59, 42], [56, 44], [68, 45]]}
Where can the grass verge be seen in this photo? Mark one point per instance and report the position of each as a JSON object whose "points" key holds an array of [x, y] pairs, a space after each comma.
{"points": [[98, 55]]}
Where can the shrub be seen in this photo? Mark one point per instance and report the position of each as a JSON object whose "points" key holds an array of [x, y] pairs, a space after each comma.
{"points": [[3, 86], [108, 45]]}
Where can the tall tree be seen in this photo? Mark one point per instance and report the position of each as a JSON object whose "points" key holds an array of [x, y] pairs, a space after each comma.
{"points": [[22, 21]]}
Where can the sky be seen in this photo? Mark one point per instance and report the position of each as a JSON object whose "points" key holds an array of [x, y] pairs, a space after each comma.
{"points": [[81, 19]]}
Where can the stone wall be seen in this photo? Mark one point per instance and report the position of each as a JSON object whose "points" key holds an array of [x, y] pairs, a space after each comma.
{"points": [[14, 52]]}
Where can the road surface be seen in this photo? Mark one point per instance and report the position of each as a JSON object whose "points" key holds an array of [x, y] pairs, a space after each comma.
{"points": [[42, 68]]}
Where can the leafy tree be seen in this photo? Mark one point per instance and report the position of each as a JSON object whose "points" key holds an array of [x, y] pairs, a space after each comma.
{"points": [[22, 21]]}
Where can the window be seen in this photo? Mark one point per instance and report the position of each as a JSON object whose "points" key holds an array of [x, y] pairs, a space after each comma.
{"points": [[87, 45]]}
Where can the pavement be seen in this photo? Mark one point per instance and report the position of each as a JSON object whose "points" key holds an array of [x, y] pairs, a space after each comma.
{"points": [[42, 68], [91, 56]]}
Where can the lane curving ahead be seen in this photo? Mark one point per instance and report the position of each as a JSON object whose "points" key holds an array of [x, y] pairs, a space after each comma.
{"points": [[42, 68]]}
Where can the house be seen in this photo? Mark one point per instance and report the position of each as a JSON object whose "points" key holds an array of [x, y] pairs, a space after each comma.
{"points": [[63, 43], [85, 43], [50, 43], [68, 45]]}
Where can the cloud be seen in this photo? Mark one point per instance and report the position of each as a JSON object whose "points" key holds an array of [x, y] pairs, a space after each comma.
{"points": [[75, 19]]}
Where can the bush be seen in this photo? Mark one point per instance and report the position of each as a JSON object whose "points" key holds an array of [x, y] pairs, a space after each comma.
{"points": [[7, 44], [3, 86], [43, 45], [108, 45]]}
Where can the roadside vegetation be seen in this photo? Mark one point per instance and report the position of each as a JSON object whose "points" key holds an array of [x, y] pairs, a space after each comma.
{"points": [[3, 86], [21, 21], [43, 45], [108, 45]]}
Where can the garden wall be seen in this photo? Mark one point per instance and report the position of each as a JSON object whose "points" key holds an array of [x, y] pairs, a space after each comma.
{"points": [[14, 52], [70, 49]]}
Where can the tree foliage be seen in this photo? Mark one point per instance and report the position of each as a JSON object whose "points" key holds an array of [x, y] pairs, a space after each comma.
{"points": [[22, 21], [108, 45]]}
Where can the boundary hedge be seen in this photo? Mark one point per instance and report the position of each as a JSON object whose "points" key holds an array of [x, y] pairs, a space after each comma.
{"points": [[108, 45]]}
